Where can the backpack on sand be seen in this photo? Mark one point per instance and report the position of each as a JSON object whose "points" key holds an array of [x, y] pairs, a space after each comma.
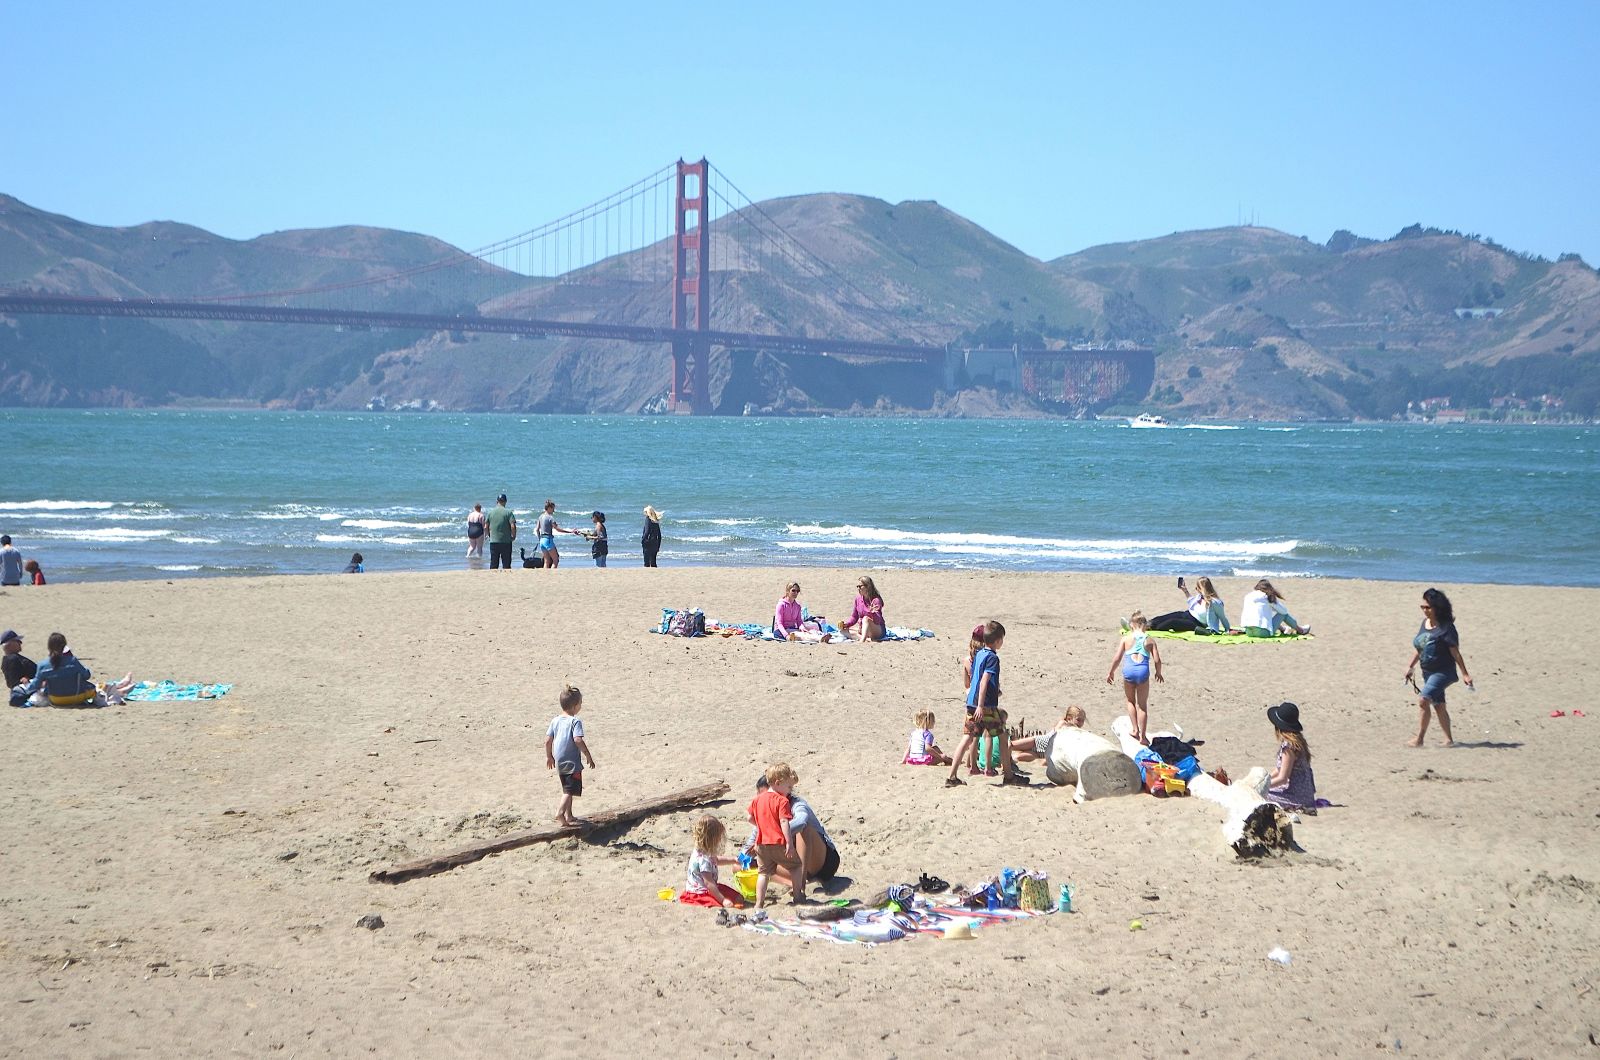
{"points": [[687, 622]]}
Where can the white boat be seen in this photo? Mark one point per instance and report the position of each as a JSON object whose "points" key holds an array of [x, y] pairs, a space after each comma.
{"points": [[1145, 419]]}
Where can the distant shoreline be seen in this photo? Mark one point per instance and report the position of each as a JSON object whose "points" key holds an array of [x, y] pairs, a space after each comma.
{"points": [[814, 414]]}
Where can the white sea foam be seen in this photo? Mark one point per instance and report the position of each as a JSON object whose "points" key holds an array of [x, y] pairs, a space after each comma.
{"points": [[392, 524], [110, 534], [55, 506], [196, 541], [369, 539], [1246, 572], [1207, 427], [294, 511], [104, 515], [705, 539], [1090, 548], [177, 566], [1279, 430]]}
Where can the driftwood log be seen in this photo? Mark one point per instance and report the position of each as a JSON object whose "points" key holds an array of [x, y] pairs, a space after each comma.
{"points": [[1253, 826], [682, 800]]}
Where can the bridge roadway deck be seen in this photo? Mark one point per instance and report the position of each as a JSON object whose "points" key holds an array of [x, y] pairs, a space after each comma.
{"points": [[175, 310]]}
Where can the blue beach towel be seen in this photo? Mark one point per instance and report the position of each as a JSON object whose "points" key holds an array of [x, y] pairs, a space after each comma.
{"points": [[165, 691]]}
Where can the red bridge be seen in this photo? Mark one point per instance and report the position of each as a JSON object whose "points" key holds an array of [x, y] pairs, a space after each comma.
{"points": [[574, 252]]}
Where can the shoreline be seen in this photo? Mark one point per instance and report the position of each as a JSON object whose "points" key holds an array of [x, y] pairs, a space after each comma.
{"points": [[581, 562], [862, 413], [219, 850]]}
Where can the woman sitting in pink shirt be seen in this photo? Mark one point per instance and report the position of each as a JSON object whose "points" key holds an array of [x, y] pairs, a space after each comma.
{"points": [[868, 611], [789, 621]]}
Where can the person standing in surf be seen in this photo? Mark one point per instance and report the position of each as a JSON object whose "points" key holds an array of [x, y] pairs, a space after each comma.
{"points": [[546, 528], [477, 530], [650, 538], [502, 531]]}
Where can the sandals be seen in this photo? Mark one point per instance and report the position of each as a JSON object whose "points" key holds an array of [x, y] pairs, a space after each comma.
{"points": [[954, 782], [931, 884]]}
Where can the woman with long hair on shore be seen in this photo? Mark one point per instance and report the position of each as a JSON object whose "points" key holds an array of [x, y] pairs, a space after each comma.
{"points": [[868, 611], [1263, 614], [1437, 647]]}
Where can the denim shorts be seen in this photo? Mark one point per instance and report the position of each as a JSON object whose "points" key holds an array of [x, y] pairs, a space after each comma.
{"points": [[1433, 686]]}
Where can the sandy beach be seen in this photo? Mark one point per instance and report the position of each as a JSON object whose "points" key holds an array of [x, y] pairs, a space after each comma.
{"points": [[185, 878]]}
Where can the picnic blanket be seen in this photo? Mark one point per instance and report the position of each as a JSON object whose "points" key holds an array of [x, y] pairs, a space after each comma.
{"points": [[1225, 638], [871, 927], [763, 631], [164, 691]]}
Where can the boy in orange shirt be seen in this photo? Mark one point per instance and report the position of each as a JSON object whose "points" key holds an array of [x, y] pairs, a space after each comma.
{"points": [[774, 820]]}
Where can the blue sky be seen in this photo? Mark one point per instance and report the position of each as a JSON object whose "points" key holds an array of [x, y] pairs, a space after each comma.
{"points": [[1056, 126]]}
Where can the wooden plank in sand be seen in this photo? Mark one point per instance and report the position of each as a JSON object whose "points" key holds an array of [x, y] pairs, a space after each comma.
{"points": [[682, 800]]}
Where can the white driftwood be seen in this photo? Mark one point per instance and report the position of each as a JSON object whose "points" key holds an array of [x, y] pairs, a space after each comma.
{"points": [[1253, 825], [1092, 763]]}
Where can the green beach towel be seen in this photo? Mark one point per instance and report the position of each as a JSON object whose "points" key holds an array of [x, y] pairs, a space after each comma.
{"points": [[1225, 638]]}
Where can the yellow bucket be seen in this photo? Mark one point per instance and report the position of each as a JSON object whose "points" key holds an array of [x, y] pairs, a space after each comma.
{"points": [[745, 880]]}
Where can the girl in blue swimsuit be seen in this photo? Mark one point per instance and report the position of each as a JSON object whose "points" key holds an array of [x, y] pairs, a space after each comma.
{"points": [[1137, 654]]}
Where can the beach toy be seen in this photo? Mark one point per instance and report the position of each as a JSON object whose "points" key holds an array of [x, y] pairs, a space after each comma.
{"points": [[1175, 786], [745, 880], [1136, 925], [961, 929], [1064, 901], [666, 894]]}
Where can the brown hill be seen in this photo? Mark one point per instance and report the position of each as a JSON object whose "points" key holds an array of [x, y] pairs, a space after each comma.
{"points": [[1247, 321]]}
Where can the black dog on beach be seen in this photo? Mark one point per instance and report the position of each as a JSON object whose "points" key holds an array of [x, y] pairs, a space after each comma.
{"points": [[533, 562]]}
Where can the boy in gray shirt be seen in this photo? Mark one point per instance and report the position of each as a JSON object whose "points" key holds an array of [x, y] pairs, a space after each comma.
{"points": [[563, 746]]}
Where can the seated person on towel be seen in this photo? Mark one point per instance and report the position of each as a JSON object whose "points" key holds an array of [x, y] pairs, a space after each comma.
{"points": [[63, 681], [1263, 613], [787, 623], [1204, 611]]}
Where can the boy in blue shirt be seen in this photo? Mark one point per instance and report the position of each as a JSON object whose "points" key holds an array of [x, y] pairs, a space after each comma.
{"points": [[984, 715]]}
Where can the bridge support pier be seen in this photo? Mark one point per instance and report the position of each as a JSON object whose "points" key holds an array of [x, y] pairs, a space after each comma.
{"points": [[691, 371]]}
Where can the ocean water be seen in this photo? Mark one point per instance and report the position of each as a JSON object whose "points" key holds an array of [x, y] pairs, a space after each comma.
{"points": [[172, 493]]}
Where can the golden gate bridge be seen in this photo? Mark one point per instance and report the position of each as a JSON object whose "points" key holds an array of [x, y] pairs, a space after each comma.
{"points": [[610, 259]]}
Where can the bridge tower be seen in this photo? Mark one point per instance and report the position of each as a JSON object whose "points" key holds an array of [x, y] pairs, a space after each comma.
{"points": [[691, 290]]}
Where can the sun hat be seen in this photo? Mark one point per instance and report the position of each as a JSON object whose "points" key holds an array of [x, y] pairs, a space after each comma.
{"points": [[961, 929], [10, 634], [1285, 716], [979, 630]]}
